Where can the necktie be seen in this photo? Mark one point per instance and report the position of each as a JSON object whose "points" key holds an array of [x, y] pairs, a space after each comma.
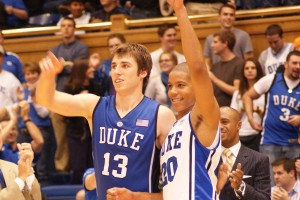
{"points": [[229, 161]]}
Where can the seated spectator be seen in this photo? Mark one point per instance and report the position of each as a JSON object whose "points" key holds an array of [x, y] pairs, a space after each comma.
{"points": [[18, 181], [16, 12], [200, 7], [167, 35], [89, 184], [77, 12], [141, 9], [109, 7], [40, 117], [78, 132], [251, 73], [8, 84], [285, 176], [10, 133], [12, 62], [275, 55], [157, 88], [102, 73]]}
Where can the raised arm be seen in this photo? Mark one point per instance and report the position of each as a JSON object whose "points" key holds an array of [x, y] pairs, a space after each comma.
{"points": [[59, 102], [205, 114]]}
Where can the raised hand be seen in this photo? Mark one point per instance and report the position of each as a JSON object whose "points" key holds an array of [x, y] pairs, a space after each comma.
{"points": [[236, 177], [51, 65]]}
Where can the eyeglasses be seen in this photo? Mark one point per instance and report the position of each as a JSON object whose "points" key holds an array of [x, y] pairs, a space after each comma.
{"points": [[165, 60]]}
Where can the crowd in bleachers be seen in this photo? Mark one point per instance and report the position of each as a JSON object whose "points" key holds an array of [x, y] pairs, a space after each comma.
{"points": [[29, 13], [63, 144]]}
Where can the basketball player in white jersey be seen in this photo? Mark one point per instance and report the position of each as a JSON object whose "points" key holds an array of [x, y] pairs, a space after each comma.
{"points": [[190, 153]]}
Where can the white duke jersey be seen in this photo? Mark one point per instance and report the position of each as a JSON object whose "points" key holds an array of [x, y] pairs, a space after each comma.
{"points": [[188, 168], [124, 150]]}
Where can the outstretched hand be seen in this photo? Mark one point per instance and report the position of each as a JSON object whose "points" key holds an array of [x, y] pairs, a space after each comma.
{"points": [[119, 194]]}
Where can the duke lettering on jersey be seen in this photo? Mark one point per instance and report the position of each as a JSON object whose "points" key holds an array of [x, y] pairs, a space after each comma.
{"points": [[124, 148], [114, 136], [171, 142], [286, 101], [272, 68]]}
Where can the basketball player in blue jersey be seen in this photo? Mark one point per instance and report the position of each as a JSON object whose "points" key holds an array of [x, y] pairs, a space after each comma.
{"points": [[281, 120], [128, 129]]}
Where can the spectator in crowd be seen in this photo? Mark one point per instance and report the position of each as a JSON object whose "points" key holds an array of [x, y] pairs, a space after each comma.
{"points": [[226, 73], [69, 49], [275, 55], [18, 181], [8, 84], [140, 9], [12, 62], [51, 6], [16, 13], [280, 125], [251, 73], [109, 8], [157, 87], [76, 8], [251, 177], [78, 132], [296, 44], [243, 46], [200, 7], [89, 185], [167, 36], [10, 133], [285, 176], [40, 117], [102, 72], [277, 3]]}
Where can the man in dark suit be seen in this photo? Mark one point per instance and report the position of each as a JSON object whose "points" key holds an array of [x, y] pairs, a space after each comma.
{"points": [[251, 177]]}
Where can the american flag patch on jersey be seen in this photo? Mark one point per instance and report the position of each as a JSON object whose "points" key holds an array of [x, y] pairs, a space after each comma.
{"points": [[142, 122]]}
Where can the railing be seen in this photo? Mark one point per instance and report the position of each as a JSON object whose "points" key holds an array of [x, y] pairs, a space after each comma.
{"points": [[120, 22]]}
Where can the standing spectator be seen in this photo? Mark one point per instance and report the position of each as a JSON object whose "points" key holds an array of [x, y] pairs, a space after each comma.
{"points": [[8, 84], [249, 177], [16, 12], [157, 88], [77, 12], [102, 73], [109, 8], [78, 132], [12, 62], [243, 46], [280, 125], [167, 36], [40, 117], [70, 49], [275, 55], [226, 73], [285, 176], [251, 73]]}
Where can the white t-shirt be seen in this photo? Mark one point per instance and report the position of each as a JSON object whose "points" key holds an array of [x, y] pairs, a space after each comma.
{"points": [[8, 87]]}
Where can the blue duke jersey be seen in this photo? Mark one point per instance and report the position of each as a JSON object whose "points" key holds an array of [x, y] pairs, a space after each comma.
{"points": [[124, 149], [281, 102], [188, 168]]}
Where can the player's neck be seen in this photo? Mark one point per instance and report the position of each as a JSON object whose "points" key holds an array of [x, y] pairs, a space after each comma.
{"points": [[124, 104]]}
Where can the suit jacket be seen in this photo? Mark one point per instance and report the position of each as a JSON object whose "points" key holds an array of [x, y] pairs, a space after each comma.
{"points": [[12, 190], [256, 166]]}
